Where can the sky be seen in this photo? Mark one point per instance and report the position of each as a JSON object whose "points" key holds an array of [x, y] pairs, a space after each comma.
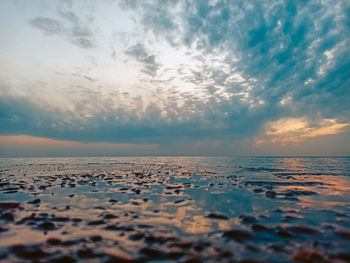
{"points": [[127, 77]]}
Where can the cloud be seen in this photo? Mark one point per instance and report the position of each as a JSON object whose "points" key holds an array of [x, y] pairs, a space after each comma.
{"points": [[69, 26], [277, 50], [296, 130], [155, 15], [236, 71], [89, 78], [148, 62], [48, 25], [95, 118], [113, 55]]}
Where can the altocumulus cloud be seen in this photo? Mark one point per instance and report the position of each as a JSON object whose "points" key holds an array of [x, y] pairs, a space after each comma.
{"points": [[149, 63], [70, 27], [244, 65]]}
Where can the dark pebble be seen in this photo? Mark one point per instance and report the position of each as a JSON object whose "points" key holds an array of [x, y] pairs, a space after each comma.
{"points": [[47, 225], [61, 219], [54, 241], [122, 259], [344, 256], [174, 186], [174, 255], [7, 216], [308, 256], [225, 254], [270, 194], [251, 248], [217, 216], [144, 226], [63, 259], [344, 235], [11, 192], [8, 205], [87, 253], [199, 246], [302, 230], [137, 236], [69, 243], [35, 201], [109, 216], [152, 253], [261, 228], [113, 228], [128, 228], [158, 239], [276, 248], [247, 219], [283, 233], [136, 191], [29, 252], [250, 261], [298, 193], [96, 238], [96, 222], [238, 235]]}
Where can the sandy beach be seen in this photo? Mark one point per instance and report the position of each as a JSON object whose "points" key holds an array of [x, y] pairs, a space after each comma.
{"points": [[188, 209]]}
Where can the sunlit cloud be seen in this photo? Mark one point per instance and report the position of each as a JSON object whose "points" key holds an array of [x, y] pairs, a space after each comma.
{"points": [[296, 130]]}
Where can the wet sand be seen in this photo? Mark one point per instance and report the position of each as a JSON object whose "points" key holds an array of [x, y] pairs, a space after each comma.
{"points": [[175, 210]]}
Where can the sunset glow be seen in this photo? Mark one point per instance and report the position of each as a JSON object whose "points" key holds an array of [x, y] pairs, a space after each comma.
{"points": [[175, 131], [187, 77], [296, 130]]}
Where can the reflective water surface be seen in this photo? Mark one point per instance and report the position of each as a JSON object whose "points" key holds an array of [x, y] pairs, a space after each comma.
{"points": [[175, 209]]}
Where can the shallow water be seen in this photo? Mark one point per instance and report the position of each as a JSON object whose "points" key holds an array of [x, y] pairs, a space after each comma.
{"points": [[175, 209]]}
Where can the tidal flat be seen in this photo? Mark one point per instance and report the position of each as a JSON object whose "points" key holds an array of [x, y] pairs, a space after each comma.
{"points": [[175, 209]]}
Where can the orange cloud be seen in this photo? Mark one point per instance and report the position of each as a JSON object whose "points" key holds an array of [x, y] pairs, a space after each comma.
{"points": [[295, 130]]}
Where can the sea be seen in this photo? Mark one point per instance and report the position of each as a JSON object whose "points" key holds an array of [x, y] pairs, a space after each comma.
{"points": [[175, 209]]}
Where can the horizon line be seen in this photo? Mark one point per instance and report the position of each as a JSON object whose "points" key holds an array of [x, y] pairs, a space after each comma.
{"points": [[175, 156]]}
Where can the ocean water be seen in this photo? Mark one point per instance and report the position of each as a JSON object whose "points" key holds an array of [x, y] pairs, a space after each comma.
{"points": [[175, 209]]}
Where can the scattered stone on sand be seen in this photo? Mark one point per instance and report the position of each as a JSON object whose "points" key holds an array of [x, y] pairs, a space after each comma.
{"points": [[47, 225], [217, 216], [308, 256], [8, 205], [238, 235], [270, 194], [162, 212]]}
